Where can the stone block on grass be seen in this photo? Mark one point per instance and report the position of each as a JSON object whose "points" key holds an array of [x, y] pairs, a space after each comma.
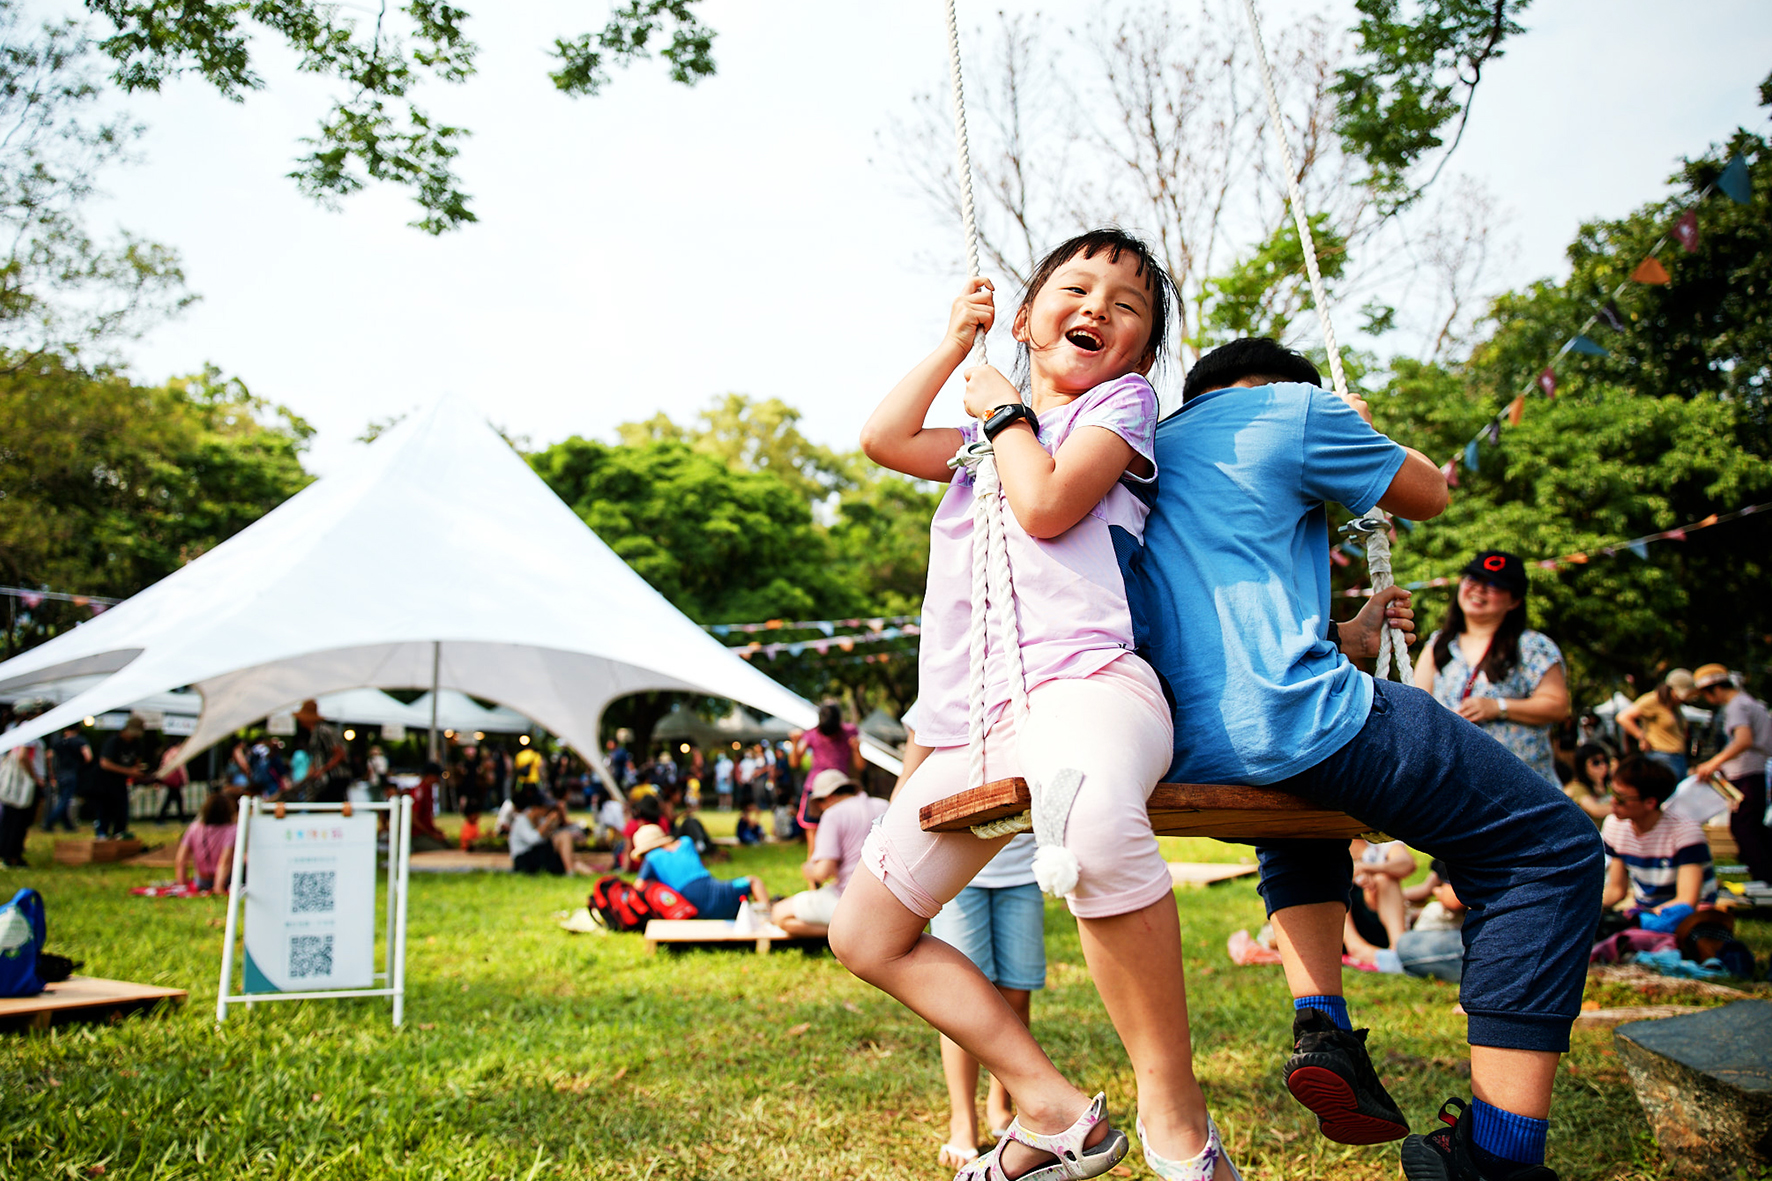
{"points": [[1705, 1081]]}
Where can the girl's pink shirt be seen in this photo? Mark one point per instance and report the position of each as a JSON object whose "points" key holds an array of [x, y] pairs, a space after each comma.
{"points": [[1069, 593]]}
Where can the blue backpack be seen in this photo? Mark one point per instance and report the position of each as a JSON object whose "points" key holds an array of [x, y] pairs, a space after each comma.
{"points": [[22, 931]]}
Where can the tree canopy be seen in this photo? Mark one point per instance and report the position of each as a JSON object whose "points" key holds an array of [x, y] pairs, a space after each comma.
{"points": [[379, 132], [1670, 426], [107, 486]]}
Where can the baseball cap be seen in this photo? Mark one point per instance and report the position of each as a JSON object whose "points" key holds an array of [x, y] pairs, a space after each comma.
{"points": [[828, 781], [1499, 568]]}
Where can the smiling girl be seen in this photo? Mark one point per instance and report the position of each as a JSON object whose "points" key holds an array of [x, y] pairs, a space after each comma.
{"points": [[1074, 455]]}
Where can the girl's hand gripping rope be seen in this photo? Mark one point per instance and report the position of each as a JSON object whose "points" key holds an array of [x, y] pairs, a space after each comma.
{"points": [[973, 314]]}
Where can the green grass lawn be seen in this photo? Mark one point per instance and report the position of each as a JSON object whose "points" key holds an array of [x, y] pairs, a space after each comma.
{"points": [[532, 1053]]}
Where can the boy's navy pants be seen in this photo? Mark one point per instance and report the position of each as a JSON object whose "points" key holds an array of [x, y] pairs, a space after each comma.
{"points": [[1523, 857]]}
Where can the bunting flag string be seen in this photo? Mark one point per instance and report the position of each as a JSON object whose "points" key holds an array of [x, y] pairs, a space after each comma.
{"points": [[1734, 183], [821, 647], [32, 599], [827, 626], [1637, 546]]}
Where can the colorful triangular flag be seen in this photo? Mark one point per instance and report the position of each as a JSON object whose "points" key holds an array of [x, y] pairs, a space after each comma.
{"points": [[1339, 558], [1547, 381], [1639, 548], [1589, 346], [31, 599], [1611, 317], [1735, 182], [1651, 271], [1494, 431], [1516, 410], [1450, 471], [1470, 455], [1686, 230]]}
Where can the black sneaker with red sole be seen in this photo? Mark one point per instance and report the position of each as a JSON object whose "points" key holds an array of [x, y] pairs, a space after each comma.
{"points": [[1331, 1073], [1445, 1154]]}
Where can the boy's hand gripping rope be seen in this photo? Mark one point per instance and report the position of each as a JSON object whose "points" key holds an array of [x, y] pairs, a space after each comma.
{"points": [[1374, 527], [1376, 532]]}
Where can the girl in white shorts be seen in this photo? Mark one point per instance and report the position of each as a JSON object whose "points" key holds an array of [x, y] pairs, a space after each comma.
{"points": [[1075, 463]]}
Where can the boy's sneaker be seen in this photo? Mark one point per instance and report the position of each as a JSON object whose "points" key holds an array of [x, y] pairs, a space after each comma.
{"points": [[1331, 1073], [1445, 1155]]}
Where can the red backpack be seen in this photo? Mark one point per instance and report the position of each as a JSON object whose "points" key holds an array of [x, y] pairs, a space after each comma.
{"points": [[627, 906]]}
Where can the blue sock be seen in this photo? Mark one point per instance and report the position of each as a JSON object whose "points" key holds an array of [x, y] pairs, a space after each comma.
{"points": [[1506, 1136], [1335, 1006]]}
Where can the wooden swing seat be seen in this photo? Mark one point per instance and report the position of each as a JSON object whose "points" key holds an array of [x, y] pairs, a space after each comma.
{"points": [[1245, 814]]}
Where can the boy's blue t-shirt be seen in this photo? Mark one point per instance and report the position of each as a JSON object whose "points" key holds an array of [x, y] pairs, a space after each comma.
{"points": [[1230, 593]]}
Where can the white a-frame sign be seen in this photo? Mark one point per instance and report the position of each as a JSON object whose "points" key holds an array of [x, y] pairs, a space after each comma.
{"points": [[304, 880]]}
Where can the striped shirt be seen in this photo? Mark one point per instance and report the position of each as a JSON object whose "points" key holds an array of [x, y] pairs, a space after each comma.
{"points": [[1652, 859]]}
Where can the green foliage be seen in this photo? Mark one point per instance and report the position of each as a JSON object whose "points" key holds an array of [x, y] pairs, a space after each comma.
{"points": [[750, 436], [61, 291], [1262, 293], [1420, 63], [721, 544], [379, 132], [107, 486], [1670, 427]]}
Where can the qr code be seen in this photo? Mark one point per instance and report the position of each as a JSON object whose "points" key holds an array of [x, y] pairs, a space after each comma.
{"points": [[311, 893], [310, 955]]}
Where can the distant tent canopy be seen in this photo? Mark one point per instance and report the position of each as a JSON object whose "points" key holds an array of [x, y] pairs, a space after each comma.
{"points": [[685, 725], [357, 582]]}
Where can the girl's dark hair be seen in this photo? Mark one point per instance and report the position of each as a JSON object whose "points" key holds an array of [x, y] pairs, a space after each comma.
{"points": [[1583, 754], [1664, 693], [1116, 242], [830, 720], [1504, 649], [647, 808], [217, 809]]}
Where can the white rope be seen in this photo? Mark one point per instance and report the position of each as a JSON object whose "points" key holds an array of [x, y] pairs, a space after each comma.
{"points": [[963, 159], [1376, 532], [993, 585]]}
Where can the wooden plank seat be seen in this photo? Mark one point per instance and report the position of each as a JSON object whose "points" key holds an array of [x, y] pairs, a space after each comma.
{"points": [[83, 997], [720, 933], [1177, 810]]}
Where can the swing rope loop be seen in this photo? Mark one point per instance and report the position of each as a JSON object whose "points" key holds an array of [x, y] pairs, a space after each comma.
{"points": [[1374, 527]]}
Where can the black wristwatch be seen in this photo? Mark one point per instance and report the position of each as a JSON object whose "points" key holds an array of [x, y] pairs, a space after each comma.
{"points": [[1002, 416]]}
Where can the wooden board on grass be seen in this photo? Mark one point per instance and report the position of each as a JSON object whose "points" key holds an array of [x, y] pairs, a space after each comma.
{"points": [[1177, 810], [92, 851], [1203, 873], [716, 932], [82, 996]]}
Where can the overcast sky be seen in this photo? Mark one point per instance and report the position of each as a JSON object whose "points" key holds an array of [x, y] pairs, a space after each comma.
{"points": [[656, 246]]}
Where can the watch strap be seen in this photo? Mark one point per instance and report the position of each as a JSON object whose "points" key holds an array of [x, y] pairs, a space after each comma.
{"points": [[1000, 418]]}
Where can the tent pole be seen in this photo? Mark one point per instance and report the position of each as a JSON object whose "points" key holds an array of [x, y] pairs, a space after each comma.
{"points": [[436, 664]]}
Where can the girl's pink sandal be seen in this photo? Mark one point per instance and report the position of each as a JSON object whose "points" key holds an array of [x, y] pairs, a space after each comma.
{"points": [[1074, 1162]]}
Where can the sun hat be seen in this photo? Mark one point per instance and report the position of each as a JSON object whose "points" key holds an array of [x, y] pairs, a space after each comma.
{"points": [[1499, 568], [1681, 681], [649, 837], [1709, 675], [828, 781]]}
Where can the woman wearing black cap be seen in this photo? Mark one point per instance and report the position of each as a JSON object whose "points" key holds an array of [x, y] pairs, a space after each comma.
{"points": [[1487, 666]]}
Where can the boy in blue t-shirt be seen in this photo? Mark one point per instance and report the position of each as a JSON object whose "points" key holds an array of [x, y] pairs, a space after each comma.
{"points": [[1231, 597]]}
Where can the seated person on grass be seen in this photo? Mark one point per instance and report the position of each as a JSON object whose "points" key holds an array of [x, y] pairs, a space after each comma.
{"points": [[750, 828], [674, 862], [1660, 862], [208, 845], [539, 842], [1230, 595], [1379, 870], [1432, 946], [426, 836], [844, 817]]}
